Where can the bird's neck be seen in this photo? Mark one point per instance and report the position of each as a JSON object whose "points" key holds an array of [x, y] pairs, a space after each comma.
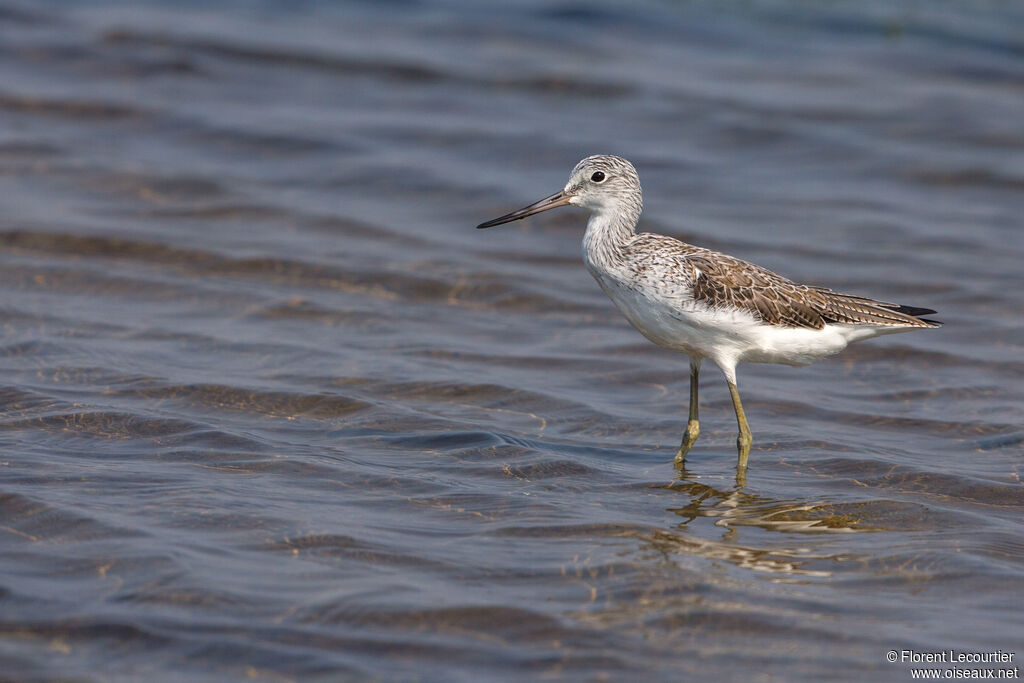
{"points": [[608, 232]]}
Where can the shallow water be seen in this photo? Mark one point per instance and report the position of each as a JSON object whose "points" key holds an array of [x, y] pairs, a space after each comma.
{"points": [[272, 409]]}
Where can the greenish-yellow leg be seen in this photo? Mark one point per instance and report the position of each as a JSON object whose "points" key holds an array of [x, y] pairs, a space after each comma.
{"points": [[744, 439], [693, 425]]}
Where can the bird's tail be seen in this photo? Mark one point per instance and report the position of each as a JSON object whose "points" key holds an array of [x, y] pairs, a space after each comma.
{"points": [[859, 309]]}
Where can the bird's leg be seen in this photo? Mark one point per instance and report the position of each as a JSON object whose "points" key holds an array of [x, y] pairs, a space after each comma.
{"points": [[744, 439], [693, 425]]}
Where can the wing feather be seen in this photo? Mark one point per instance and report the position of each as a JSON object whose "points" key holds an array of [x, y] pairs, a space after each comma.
{"points": [[722, 281]]}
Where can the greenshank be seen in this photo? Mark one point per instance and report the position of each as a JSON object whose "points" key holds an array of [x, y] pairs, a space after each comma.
{"points": [[704, 303]]}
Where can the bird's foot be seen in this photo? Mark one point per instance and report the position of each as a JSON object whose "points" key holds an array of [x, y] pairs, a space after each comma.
{"points": [[741, 476], [689, 438], [743, 442]]}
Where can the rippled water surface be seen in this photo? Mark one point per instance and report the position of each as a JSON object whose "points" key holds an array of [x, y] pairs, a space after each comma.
{"points": [[273, 409]]}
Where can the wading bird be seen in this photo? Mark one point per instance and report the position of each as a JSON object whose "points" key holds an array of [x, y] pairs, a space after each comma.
{"points": [[704, 303]]}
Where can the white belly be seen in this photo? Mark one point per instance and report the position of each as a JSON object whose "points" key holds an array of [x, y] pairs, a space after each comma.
{"points": [[728, 337]]}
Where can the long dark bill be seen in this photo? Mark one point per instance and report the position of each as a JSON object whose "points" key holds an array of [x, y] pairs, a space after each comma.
{"points": [[553, 202]]}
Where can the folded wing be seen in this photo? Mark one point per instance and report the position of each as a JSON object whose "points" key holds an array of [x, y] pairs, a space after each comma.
{"points": [[725, 282]]}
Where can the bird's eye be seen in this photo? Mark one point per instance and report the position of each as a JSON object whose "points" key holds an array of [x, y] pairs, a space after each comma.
{"points": [[598, 176]]}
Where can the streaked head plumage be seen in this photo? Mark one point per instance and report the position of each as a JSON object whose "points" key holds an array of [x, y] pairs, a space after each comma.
{"points": [[602, 180], [599, 183]]}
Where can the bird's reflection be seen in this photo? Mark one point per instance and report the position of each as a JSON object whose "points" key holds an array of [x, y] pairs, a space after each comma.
{"points": [[731, 508]]}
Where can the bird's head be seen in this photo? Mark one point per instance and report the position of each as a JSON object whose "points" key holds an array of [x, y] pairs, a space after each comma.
{"points": [[600, 183]]}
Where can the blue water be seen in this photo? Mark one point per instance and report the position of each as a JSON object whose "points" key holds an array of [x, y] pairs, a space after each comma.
{"points": [[273, 410]]}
